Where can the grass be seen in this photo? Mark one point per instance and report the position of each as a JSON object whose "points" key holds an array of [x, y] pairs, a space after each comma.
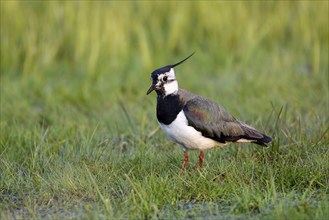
{"points": [[79, 137]]}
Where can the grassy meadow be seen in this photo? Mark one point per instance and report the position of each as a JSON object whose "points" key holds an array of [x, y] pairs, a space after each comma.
{"points": [[79, 137]]}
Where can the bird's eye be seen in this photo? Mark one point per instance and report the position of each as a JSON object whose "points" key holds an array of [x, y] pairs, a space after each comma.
{"points": [[165, 78]]}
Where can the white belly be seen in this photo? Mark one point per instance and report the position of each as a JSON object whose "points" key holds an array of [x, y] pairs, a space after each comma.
{"points": [[187, 136]]}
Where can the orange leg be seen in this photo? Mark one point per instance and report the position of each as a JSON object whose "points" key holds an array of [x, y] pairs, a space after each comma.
{"points": [[185, 161], [201, 156]]}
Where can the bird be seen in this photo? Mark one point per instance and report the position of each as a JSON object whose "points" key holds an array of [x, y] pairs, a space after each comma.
{"points": [[195, 122]]}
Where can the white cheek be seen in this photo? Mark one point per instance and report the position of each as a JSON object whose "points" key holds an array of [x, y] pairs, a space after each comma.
{"points": [[171, 73], [171, 87]]}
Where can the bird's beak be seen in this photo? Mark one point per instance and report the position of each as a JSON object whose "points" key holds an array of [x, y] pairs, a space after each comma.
{"points": [[152, 87]]}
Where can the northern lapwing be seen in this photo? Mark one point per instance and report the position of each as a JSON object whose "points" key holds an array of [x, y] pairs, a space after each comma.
{"points": [[194, 122]]}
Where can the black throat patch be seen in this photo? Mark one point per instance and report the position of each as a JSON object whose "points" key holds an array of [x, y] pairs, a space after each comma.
{"points": [[168, 108]]}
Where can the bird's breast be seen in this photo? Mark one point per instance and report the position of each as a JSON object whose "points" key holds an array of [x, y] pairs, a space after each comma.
{"points": [[187, 136], [168, 107]]}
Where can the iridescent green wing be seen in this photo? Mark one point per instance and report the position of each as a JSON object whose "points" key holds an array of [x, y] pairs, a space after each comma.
{"points": [[214, 122]]}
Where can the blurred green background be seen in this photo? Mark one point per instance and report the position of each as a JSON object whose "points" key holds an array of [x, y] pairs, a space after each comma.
{"points": [[75, 118], [87, 55]]}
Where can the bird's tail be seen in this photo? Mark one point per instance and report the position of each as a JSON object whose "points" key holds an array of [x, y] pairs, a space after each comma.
{"points": [[255, 136], [263, 141]]}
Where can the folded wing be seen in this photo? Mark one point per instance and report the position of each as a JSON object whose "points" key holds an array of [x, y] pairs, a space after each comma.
{"points": [[214, 122]]}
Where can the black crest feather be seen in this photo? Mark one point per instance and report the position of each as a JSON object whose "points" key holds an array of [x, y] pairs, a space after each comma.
{"points": [[167, 68], [180, 62]]}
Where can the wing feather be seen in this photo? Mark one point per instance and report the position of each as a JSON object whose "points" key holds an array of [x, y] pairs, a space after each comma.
{"points": [[214, 122]]}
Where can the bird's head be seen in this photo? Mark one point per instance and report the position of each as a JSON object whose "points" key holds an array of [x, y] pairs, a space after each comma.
{"points": [[164, 80]]}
